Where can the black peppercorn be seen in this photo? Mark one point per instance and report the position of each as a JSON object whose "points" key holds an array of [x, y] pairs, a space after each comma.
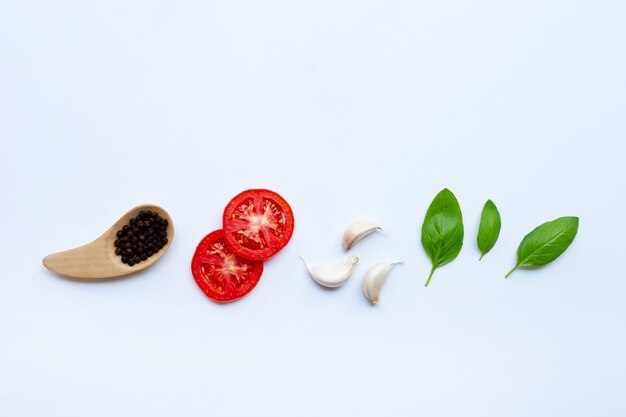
{"points": [[142, 237]]}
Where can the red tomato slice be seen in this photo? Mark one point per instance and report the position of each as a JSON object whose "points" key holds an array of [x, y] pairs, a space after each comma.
{"points": [[258, 224], [222, 275]]}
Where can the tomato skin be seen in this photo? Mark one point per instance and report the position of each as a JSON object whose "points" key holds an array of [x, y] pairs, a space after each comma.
{"points": [[258, 223], [221, 274]]}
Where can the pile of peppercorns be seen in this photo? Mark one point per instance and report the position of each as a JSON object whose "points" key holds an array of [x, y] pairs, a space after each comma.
{"points": [[144, 236]]}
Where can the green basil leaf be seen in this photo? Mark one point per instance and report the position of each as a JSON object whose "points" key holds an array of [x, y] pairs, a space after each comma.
{"points": [[442, 231], [489, 229], [546, 243]]}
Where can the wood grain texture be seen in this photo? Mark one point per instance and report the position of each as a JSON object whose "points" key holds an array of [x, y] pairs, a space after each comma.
{"points": [[97, 260]]}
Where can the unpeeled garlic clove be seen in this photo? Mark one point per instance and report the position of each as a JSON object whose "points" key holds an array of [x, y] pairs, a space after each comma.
{"points": [[332, 275], [375, 278], [357, 231]]}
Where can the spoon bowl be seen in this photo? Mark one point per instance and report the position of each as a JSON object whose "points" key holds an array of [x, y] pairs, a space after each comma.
{"points": [[97, 260]]}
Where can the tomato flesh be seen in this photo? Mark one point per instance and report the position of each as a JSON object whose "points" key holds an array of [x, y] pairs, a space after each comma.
{"points": [[258, 224], [221, 274]]}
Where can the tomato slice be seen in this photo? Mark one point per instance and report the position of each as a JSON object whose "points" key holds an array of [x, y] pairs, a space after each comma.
{"points": [[258, 224], [222, 275]]}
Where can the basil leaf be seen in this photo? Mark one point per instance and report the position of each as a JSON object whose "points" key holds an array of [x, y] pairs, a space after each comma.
{"points": [[546, 243], [442, 231], [489, 229]]}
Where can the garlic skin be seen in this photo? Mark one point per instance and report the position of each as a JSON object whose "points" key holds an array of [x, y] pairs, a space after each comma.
{"points": [[375, 278], [357, 231], [332, 275]]}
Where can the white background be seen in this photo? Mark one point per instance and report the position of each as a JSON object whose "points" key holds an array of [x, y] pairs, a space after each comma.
{"points": [[349, 109]]}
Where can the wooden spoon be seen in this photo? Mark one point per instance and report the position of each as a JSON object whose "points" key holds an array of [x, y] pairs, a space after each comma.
{"points": [[97, 260]]}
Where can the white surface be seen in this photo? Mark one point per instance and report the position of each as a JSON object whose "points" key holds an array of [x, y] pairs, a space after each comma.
{"points": [[348, 109]]}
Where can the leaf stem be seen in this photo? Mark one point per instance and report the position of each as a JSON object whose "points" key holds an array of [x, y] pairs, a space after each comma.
{"points": [[481, 257], [430, 275], [511, 271]]}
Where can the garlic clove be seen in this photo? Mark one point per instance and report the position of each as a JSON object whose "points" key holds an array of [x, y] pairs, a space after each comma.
{"points": [[332, 275], [357, 231], [375, 278]]}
